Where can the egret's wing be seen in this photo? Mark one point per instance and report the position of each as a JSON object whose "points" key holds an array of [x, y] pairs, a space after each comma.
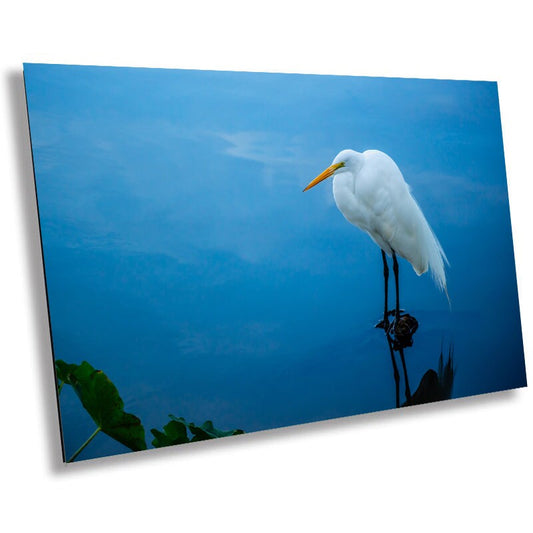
{"points": [[379, 187], [395, 219]]}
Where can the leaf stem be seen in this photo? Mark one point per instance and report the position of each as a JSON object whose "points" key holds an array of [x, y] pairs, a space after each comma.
{"points": [[60, 387], [82, 447]]}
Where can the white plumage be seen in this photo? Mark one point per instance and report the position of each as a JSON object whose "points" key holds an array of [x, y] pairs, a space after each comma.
{"points": [[371, 193]]}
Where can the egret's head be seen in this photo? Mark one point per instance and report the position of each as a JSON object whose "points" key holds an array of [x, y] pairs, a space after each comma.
{"points": [[350, 158], [345, 160]]}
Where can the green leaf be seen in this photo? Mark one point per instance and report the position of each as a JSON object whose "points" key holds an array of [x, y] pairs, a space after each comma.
{"points": [[175, 432], [102, 401], [208, 431], [179, 419], [63, 371]]}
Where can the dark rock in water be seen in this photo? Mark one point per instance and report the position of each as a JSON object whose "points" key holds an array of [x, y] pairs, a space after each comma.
{"points": [[402, 331], [387, 325]]}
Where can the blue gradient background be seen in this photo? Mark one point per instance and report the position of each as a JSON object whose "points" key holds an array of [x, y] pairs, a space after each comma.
{"points": [[182, 258]]}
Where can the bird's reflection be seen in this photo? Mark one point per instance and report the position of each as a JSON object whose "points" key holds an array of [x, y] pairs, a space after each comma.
{"points": [[435, 385]]}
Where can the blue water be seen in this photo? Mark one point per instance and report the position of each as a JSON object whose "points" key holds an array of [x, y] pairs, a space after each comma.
{"points": [[184, 261]]}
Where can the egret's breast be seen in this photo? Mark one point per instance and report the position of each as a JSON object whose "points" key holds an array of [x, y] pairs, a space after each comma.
{"points": [[347, 201]]}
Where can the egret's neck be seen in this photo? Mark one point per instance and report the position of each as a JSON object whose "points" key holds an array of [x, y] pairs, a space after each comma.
{"points": [[344, 187], [355, 162], [344, 181], [346, 176]]}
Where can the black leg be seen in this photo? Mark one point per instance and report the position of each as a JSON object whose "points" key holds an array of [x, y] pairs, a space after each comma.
{"points": [[396, 272], [402, 358], [395, 369], [386, 327], [386, 277], [407, 388]]}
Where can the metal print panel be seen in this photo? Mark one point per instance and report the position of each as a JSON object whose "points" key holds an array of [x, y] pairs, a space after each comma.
{"points": [[229, 252]]}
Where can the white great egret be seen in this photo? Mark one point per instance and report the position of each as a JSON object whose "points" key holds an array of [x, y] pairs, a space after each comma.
{"points": [[371, 193]]}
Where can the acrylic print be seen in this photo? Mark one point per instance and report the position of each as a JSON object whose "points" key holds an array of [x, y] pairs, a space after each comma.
{"points": [[231, 252]]}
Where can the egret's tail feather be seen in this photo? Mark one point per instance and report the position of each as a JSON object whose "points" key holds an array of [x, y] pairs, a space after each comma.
{"points": [[448, 297], [435, 256], [436, 260]]}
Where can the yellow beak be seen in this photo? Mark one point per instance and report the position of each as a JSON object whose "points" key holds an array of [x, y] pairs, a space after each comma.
{"points": [[326, 174]]}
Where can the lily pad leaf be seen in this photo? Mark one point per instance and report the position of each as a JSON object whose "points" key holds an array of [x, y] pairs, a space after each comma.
{"points": [[208, 431], [175, 432], [102, 401]]}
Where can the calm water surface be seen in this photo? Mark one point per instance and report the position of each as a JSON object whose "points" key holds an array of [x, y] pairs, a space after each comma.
{"points": [[184, 261]]}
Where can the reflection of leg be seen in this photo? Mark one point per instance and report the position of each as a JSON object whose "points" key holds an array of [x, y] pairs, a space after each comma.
{"points": [[386, 277], [396, 271], [395, 368], [407, 388]]}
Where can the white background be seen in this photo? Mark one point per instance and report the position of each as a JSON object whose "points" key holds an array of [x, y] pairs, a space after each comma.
{"points": [[463, 465]]}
